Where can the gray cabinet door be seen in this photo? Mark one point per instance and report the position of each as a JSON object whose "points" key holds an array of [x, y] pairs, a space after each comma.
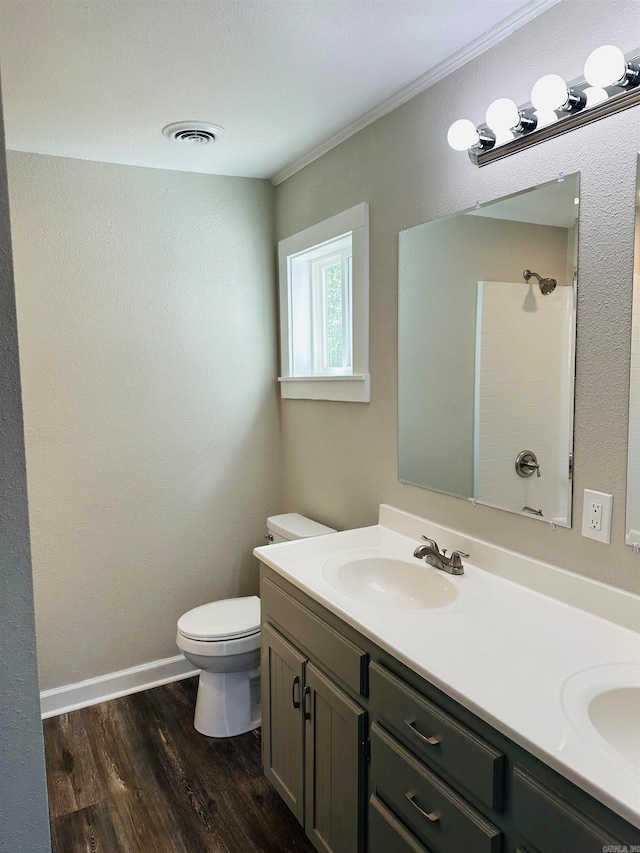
{"points": [[283, 669], [335, 770]]}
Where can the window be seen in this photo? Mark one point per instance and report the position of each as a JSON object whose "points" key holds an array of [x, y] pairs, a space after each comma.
{"points": [[331, 312], [324, 309]]}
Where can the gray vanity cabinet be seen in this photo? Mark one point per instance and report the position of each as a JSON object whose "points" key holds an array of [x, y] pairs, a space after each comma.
{"points": [[313, 733], [343, 720]]}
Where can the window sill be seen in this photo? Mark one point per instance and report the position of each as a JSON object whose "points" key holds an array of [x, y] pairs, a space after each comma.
{"points": [[345, 389]]}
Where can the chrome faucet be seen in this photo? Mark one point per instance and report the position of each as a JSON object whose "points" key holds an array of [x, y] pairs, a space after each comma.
{"points": [[438, 559]]}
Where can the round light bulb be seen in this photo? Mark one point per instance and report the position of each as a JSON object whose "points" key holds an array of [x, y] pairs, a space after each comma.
{"points": [[545, 117], [595, 95], [549, 93], [503, 136], [605, 66], [502, 114], [462, 134]]}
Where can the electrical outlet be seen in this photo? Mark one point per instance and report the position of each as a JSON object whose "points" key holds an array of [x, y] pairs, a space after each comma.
{"points": [[596, 515]]}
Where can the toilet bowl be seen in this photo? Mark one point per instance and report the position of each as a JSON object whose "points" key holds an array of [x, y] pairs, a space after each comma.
{"points": [[222, 639]]}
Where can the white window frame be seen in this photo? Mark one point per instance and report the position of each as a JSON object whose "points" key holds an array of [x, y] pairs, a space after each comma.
{"points": [[339, 384]]}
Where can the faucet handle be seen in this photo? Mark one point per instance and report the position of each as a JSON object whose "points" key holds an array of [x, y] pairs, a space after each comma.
{"points": [[455, 560], [431, 542]]}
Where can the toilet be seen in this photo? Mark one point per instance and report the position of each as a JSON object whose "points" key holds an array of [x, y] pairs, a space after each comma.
{"points": [[222, 639]]}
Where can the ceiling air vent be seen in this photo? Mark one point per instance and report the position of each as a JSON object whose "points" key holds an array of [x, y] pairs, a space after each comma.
{"points": [[194, 132]]}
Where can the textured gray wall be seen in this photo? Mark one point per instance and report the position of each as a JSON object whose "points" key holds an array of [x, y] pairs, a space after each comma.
{"points": [[24, 822], [339, 459], [147, 317]]}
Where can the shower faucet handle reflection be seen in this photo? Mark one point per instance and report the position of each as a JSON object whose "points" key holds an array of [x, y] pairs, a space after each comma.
{"points": [[532, 511], [527, 464]]}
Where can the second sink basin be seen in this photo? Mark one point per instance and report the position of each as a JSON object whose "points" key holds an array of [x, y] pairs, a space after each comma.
{"points": [[616, 716], [389, 582], [603, 704]]}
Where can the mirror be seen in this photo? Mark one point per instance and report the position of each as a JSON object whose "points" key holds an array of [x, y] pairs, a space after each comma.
{"points": [[633, 464], [486, 351]]}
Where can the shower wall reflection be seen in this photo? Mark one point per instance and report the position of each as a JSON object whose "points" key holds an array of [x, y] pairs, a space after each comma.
{"points": [[486, 358], [523, 397]]}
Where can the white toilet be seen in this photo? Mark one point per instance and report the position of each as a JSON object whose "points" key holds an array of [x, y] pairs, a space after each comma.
{"points": [[222, 639]]}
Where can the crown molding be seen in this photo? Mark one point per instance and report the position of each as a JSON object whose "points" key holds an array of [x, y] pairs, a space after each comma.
{"points": [[489, 39]]}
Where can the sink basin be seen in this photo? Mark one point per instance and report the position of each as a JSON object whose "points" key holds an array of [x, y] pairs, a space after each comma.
{"points": [[603, 704], [388, 582], [616, 716]]}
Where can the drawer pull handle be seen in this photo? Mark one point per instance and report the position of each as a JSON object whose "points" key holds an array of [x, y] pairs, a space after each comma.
{"points": [[432, 816], [432, 741], [306, 693], [296, 683]]}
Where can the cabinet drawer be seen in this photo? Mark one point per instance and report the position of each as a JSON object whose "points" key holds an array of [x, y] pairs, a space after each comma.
{"points": [[434, 735], [551, 824], [323, 644], [387, 834], [432, 810]]}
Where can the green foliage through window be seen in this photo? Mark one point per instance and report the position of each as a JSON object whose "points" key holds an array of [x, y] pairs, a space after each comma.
{"points": [[334, 314]]}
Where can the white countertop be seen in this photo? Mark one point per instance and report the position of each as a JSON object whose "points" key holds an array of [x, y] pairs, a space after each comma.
{"points": [[502, 650]]}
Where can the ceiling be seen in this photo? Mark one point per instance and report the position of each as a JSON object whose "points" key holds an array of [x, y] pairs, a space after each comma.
{"points": [[287, 79]]}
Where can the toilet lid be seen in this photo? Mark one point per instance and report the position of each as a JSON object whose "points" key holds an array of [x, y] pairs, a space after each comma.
{"points": [[229, 618]]}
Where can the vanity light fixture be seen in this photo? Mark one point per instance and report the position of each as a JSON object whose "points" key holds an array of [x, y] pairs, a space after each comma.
{"points": [[611, 84]]}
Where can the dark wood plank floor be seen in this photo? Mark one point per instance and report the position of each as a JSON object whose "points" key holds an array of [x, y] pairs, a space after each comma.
{"points": [[133, 776]]}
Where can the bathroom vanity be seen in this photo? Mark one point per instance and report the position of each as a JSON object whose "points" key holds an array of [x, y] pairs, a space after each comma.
{"points": [[389, 725]]}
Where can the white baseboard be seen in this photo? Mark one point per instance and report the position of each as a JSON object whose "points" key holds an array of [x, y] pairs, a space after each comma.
{"points": [[70, 697]]}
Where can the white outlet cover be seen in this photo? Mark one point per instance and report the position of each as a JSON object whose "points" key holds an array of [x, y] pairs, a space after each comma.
{"points": [[590, 497]]}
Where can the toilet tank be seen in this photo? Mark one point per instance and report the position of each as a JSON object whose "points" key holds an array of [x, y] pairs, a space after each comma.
{"points": [[291, 525]]}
